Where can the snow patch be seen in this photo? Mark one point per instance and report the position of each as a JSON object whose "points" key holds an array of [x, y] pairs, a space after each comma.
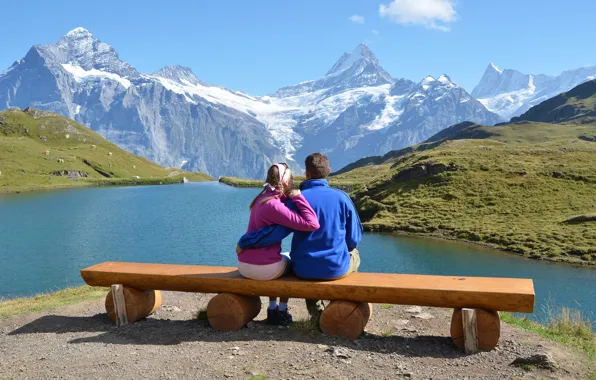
{"points": [[426, 82], [78, 31], [82, 75], [389, 114], [281, 115], [496, 68]]}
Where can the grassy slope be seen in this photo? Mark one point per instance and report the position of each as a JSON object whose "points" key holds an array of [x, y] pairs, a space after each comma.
{"points": [[51, 301], [24, 167], [503, 192]]}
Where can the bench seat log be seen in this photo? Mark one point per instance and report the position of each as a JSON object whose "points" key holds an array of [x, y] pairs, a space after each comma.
{"points": [[499, 294]]}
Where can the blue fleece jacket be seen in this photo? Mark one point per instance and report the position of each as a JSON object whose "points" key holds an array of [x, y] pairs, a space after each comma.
{"points": [[324, 253]]}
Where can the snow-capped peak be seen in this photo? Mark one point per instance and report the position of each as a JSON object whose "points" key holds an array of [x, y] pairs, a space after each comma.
{"points": [[80, 31], [357, 69], [77, 36], [495, 68], [178, 73], [444, 79], [427, 82], [359, 54], [80, 48]]}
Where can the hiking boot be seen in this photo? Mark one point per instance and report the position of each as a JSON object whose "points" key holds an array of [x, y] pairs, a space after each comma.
{"points": [[287, 316], [278, 317]]}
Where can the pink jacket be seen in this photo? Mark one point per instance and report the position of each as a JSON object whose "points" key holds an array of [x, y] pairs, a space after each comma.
{"points": [[271, 212]]}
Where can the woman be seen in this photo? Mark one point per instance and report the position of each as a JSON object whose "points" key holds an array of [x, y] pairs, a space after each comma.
{"points": [[267, 263]]}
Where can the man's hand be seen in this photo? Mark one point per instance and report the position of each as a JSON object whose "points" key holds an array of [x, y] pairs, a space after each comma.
{"points": [[238, 250], [293, 193]]}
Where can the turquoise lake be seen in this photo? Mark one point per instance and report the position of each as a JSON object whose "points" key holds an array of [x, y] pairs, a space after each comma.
{"points": [[46, 238]]}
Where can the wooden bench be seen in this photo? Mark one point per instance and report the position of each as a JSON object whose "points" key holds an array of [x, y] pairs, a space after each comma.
{"points": [[475, 323]]}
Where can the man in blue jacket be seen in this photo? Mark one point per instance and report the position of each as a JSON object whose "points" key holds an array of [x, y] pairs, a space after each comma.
{"points": [[328, 253]]}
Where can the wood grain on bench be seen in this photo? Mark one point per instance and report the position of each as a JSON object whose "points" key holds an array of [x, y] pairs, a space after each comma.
{"points": [[502, 294]]}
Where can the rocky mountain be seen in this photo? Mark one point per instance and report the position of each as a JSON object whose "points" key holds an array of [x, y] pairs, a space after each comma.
{"points": [[510, 93], [83, 78], [171, 117]]}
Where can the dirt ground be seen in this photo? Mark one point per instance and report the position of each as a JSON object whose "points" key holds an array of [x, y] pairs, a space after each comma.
{"points": [[401, 342]]}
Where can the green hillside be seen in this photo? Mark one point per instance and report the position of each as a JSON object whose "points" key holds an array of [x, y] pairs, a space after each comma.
{"points": [[42, 150], [524, 187]]}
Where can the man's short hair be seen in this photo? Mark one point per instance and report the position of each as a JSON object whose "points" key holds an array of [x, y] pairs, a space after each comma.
{"points": [[317, 164]]}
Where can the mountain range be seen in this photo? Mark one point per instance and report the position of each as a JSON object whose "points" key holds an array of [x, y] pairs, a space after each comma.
{"points": [[171, 117], [510, 93]]}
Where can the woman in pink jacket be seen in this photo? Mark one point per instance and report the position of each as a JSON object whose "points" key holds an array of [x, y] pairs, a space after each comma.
{"points": [[268, 263]]}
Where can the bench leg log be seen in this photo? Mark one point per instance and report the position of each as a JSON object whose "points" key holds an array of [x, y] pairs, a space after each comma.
{"points": [[231, 312], [345, 318], [488, 329], [137, 303]]}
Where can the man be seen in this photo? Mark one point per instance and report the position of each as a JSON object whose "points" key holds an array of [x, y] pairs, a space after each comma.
{"points": [[328, 253]]}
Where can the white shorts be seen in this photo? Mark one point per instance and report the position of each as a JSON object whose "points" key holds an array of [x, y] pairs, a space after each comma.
{"points": [[265, 272]]}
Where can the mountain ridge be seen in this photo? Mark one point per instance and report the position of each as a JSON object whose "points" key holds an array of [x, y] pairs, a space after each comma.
{"points": [[173, 118], [510, 93]]}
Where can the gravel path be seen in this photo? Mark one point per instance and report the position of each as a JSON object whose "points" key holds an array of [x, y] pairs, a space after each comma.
{"points": [[79, 342]]}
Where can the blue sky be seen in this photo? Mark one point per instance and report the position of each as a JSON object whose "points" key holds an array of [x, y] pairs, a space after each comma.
{"points": [[261, 45]]}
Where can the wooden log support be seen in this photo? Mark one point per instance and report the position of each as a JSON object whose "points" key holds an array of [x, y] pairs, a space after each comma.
{"points": [[231, 312], [134, 305], [119, 304], [469, 327], [487, 330], [345, 318]]}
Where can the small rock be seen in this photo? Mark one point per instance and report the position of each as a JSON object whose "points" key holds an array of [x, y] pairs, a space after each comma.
{"points": [[425, 316], [323, 346], [414, 309], [557, 175], [171, 308], [400, 322], [544, 361], [338, 352], [234, 348]]}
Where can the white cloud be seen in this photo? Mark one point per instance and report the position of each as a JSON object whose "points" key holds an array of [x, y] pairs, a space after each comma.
{"points": [[434, 14], [375, 32], [356, 19]]}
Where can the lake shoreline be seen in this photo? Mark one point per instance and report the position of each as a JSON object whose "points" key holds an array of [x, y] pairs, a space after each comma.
{"points": [[94, 184], [243, 183], [556, 260]]}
